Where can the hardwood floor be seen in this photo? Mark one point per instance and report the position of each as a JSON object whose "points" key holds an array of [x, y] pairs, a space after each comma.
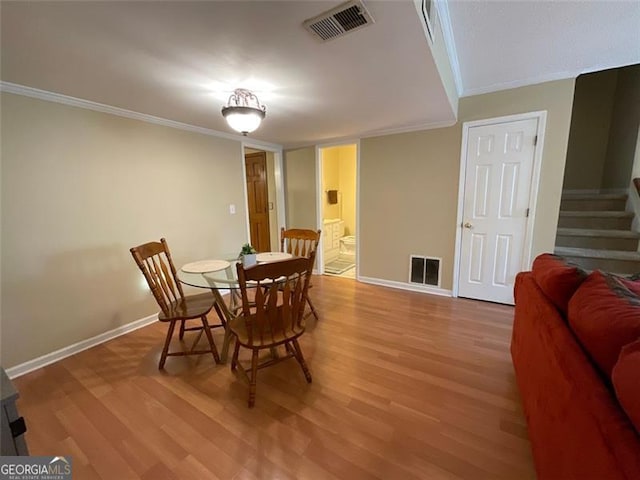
{"points": [[405, 386]]}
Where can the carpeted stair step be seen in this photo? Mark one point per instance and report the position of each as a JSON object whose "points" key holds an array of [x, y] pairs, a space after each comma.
{"points": [[598, 239], [617, 261], [593, 202], [595, 220]]}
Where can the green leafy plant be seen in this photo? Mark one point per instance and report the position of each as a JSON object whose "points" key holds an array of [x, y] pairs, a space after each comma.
{"points": [[247, 249]]}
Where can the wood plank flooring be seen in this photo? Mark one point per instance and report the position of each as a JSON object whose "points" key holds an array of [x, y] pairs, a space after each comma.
{"points": [[405, 386]]}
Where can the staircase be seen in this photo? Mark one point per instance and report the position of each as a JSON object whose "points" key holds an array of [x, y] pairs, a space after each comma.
{"points": [[594, 231]]}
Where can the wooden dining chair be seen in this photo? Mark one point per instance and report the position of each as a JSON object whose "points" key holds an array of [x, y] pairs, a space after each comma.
{"points": [[300, 242], [272, 314], [154, 260]]}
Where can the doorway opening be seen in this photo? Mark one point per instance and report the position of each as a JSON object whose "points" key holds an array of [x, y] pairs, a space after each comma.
{"points": [[262, 199], [338, 198]]}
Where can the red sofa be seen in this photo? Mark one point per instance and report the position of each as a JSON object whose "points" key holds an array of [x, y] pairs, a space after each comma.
{"points": [[576, 354]]}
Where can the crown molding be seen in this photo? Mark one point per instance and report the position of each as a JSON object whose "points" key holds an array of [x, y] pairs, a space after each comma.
{"points": [[372, 133], [408, 129], [45, 95], [121, 112], [497, 87], [442, 8], [551, 77]]}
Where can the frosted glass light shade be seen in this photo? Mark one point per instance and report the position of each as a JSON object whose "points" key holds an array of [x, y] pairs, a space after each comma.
{"points": [[243, 111], [243, 119]]}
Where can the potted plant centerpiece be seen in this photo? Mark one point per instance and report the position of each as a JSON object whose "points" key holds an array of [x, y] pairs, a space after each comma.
{"points": [[248, 255]]}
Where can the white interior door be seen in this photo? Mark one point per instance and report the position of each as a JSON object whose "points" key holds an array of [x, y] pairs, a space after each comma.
{"points": [[499, 168]]}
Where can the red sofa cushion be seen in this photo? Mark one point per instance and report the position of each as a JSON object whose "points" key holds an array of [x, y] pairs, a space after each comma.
{"points": [[626, 381], [604, 314], [557, 279]]}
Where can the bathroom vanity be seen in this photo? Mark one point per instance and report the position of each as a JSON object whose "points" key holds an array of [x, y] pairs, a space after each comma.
{"points": [[332, 232]]}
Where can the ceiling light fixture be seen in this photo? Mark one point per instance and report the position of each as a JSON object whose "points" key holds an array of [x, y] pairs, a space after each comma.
{"points": [[243, 111]]}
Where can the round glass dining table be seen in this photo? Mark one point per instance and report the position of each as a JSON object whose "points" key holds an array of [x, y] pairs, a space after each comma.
{"points": [[221, 276]]}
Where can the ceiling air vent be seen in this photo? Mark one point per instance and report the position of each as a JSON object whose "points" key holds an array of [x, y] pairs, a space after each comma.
{"points": [[345, 18]]}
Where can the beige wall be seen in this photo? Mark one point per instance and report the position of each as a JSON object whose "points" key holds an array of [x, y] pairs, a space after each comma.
{"points": [[590, 122], [408, 195], [409, 183], [330, 181], [623, 133], [79, 188], [339, 173], [300, 187], [557, 99], [348, 167], [606, 114]]}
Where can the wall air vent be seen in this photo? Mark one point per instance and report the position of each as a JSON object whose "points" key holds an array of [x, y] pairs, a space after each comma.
{"points": [[424, 270], [343, 19]]}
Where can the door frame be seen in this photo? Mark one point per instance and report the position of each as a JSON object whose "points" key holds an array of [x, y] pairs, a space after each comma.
{"points": [[319, 200], [277, 166], [541, 116]]}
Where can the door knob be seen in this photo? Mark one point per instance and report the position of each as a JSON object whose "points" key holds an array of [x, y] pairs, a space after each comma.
{"points": [[468, 225]]}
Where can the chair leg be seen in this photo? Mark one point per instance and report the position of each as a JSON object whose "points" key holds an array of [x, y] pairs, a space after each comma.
{"points": [[207, 331], [234, 359], [181, 336], [301, 361], [220, 313], [254, 375], [167, 341], [313, 309]]}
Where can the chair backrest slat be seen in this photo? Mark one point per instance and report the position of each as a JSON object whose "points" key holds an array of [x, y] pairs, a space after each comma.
{"points": [[165, 278], [277, 307], [154, 260], [299, 242]]}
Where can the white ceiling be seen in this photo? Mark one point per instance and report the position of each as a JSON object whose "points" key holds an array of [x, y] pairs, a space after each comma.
{"points": [[180, 60], [504, 44]]}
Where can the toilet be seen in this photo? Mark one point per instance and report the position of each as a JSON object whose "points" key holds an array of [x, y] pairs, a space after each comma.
{"points": [[348, 245]]}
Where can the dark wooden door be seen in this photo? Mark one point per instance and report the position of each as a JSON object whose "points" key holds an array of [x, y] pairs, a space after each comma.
{"points": [[258, 200]]}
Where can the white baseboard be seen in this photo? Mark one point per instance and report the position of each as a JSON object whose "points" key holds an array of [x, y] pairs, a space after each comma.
{"points": [[52, 357], [407, 286]]}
